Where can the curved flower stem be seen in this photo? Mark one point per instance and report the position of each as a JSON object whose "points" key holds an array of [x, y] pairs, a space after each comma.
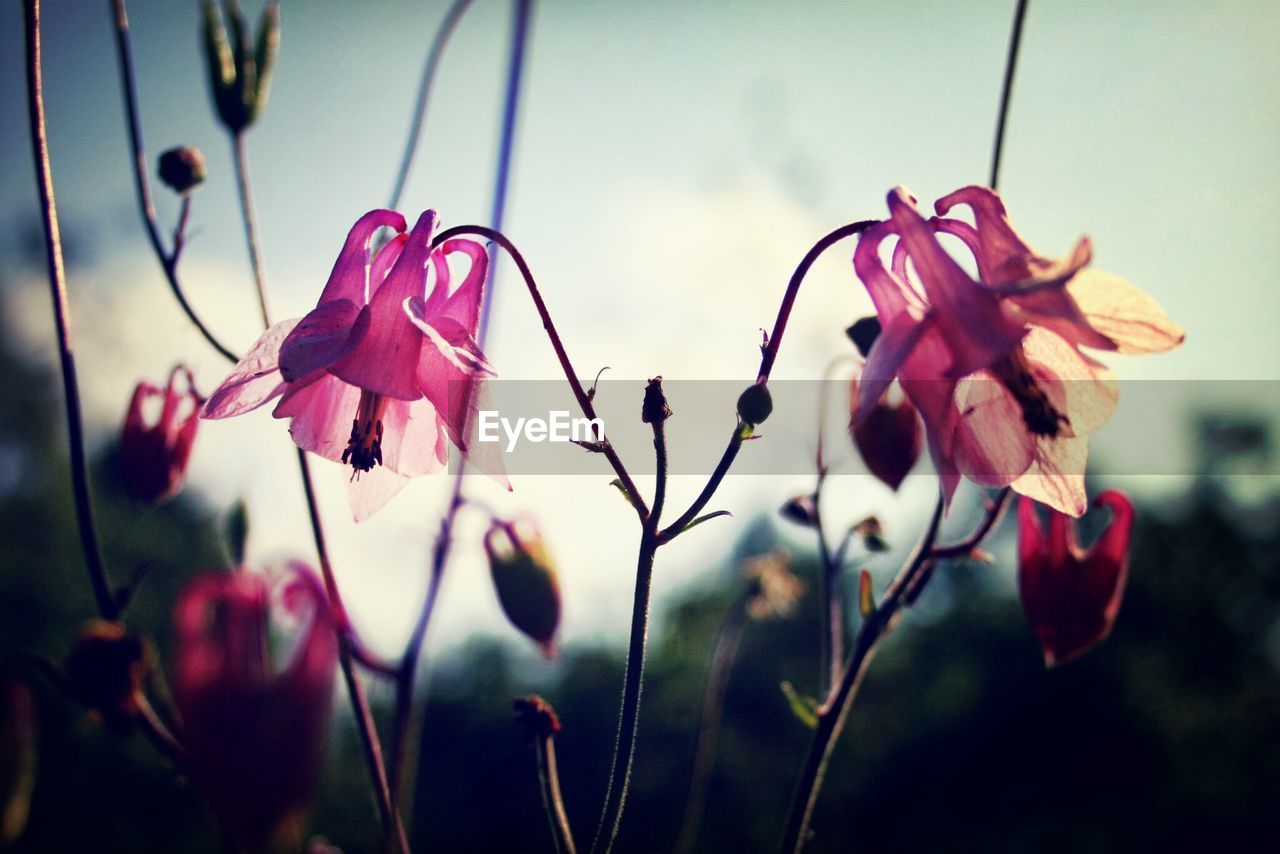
{"points": [[834, 711], [146, 205], [108, 606], [1006, 90], [552, 798], [584, 402], [728, 637], [107, 602], [443, 32], [390, 817], [629, 718], [994, 513], [766, 366], [244, 189]]}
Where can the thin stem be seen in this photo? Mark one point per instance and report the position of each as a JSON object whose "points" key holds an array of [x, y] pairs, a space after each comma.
{"points": [[245, 190], [552, 797], [728, 637], [995, 510], [1006, 90], [832, 714], [584, 402], [831, 618], [146, 206], [443, 32], [359, 703], [402, 770], [106, 601]]}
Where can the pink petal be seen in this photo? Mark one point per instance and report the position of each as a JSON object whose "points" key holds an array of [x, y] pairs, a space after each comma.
{"points": [[1002, 255], [255, 379], [411, 440], [977, 328], [385, 260], [1082, 389], [463, 305], [1056, 475], [993, 446], [891, 294], [1132, 321], [370, 490], [1113, 545], [319, 339], [890, 350], [485, 457], [387, 346], [322, 413], [349, 279]]}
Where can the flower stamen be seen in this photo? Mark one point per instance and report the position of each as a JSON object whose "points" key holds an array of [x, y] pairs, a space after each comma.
{"points": [[1038, 412], [364, 448]]}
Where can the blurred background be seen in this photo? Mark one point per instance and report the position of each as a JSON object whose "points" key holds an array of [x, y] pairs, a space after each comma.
{"points": [[672, 165]]}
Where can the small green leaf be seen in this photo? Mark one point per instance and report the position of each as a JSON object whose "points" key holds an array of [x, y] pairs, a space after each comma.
{"points": [[617, 482], [704, 517], [866, 598], [804, 707]]}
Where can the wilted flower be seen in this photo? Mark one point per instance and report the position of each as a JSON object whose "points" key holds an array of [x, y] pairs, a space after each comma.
{"points": [[994, 365], [107, 668], [376, 376], [155, 457], [774, 589], [524, 577], [1071, 596], [887, 437], [254, 732]]}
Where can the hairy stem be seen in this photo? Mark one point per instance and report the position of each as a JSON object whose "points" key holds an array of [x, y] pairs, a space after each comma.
{"points": [[244, 189], [552, 797]]}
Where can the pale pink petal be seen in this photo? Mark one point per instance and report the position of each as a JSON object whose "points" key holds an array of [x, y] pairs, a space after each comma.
{"points": [[1133, 321], [891, 294], [349, 279], [369, 490], [1002, 255], [993, 446], [892, 346], [978, 329], [1082, 389], [322, 413], [255, 379], [1056, 476], [319, 339], [387, 346], [450, 338], [410, 438]]}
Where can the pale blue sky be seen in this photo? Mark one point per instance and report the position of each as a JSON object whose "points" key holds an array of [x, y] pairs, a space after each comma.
{"points": [[672, 159]]}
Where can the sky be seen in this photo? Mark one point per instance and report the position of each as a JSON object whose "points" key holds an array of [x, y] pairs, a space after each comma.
{"points": [[673, 163]]}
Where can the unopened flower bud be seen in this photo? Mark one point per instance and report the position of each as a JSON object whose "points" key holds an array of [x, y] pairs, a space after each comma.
{"points": [[755, 404], [155, 456], [525, 580], [801, 509], [864, 333], [239, 68], [182, 169], [107, 668], [654, 410]]}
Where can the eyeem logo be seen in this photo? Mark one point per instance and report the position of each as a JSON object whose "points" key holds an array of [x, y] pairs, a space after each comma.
{"points": [[557, 427]]}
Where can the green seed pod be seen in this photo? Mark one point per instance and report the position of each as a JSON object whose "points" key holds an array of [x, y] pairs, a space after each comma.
{"points": [[755, 404], [525, 580]]}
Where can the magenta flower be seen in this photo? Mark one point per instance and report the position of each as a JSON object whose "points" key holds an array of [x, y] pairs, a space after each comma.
{"points": [[994, 366], [155, 457], [887, 438], [254, 734], [1070, 596], [379, 376]]}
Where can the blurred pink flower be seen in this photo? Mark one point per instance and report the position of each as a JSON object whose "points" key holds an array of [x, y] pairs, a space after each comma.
{"points": [[378, 374], [994, 366], [887, 438], [1071, 597], [155, 457], [255, 734]]}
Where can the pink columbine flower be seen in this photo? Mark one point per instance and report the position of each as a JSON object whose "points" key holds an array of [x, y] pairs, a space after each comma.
{"points": [[254, 733], [888, 437], [155, 457], [380, 375], [1070, 596], [994, 365]]}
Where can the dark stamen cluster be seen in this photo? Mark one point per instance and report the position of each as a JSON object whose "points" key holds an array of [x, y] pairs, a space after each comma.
{"points": [[364, 448]]}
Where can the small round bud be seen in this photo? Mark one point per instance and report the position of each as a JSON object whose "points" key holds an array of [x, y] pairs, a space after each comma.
{"points": [[182, 169], [801, 509], [755, 404]]}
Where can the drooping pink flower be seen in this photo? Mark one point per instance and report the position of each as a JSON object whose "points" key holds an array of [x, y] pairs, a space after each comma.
{"points": [[254, 732], [380, 375], [1071, 596], [888, 437], [155, 457], [994, 365]]}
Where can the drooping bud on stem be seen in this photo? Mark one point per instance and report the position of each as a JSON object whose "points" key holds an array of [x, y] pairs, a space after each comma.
{"points": [[107, 667], [755, 404], [182, 169], [654, 410], [525, 580], [239, 69]]}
